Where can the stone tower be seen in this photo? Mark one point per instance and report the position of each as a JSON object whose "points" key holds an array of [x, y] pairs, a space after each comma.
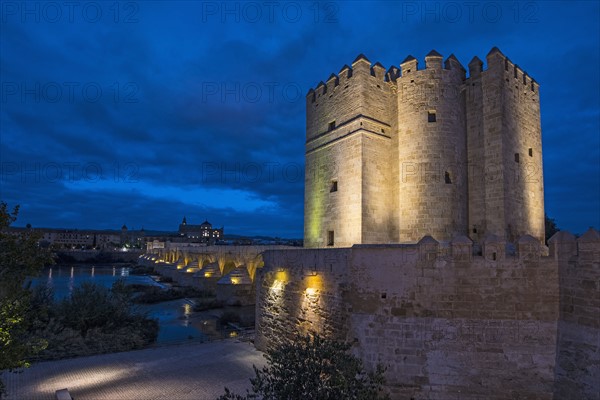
{"points": [[350, 140], [394, 155], [432, 157], [506, 189]]}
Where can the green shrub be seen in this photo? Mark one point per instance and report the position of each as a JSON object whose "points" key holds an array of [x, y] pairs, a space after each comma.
{"points": [[313, 368], [92, 320]]}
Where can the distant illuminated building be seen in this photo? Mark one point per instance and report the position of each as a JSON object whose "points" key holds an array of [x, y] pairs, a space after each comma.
{"points": [[203, 233]]}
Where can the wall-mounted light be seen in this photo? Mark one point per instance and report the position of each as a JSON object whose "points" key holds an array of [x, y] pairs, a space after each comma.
{"points": [[313, 283], [282, 275], [276, 287]]}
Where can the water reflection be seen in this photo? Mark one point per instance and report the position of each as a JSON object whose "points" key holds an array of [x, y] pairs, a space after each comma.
{"points": [[176, 318], [71, 281], [64, 278], [187, 311], [49, 282]]}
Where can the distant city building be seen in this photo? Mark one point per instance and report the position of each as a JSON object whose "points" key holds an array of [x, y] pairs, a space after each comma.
{"points": [[80, 239], [196, 235], [203, 233], [85, 239]]}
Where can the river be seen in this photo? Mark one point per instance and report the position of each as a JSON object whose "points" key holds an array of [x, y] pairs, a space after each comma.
{"points": [[176, 319]]}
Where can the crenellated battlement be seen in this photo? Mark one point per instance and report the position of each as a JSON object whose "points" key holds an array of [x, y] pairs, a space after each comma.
{"points": [[361, 67], [443, 301], [424, 223], [496, 62], [397, 143], [392, 74], [453, 63], [525, 252], [378, 71], [341, 99], [433, 61]]}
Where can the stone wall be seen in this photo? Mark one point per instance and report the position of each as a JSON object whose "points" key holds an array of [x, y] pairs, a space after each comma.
{"points": [[427, 151], [578, 347], [432, 150], [349, 142], [506, 192], [445, 323], [295, 294]]}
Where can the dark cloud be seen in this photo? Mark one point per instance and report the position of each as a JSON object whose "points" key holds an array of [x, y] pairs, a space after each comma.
{"points": [[168, 109]]}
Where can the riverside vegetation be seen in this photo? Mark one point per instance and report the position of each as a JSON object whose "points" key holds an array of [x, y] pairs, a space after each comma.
{"points": [[93, 320], [35, 326]]}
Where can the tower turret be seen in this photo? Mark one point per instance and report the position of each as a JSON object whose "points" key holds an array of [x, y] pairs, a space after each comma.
{"points": [[408, 65], [433, 60], [432, 182], [392, 156], [504, 141], [349, 140], [475, 67]]}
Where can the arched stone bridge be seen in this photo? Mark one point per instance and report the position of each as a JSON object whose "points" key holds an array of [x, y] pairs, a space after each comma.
{"points": [[194, 257]]}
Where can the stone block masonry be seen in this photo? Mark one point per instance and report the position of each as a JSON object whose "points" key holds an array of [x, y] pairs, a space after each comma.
{"points": [[392, 156], [473, 307], [446, 323], [578, 347]]}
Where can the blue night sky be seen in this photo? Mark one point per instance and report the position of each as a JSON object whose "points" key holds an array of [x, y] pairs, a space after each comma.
{"points": [[143, 112]]}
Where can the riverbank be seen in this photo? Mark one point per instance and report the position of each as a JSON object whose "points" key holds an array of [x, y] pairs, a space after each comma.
{"points": [[230, 300], [183, 313], [201, 311]]}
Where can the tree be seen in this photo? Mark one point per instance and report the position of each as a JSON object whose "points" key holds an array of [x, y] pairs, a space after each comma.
{"points": [[313, 368], [20, 257], [551, 227], [93, 306]]}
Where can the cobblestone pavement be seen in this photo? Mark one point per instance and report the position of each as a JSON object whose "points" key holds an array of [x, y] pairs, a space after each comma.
{"points": [[188, 371]]}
